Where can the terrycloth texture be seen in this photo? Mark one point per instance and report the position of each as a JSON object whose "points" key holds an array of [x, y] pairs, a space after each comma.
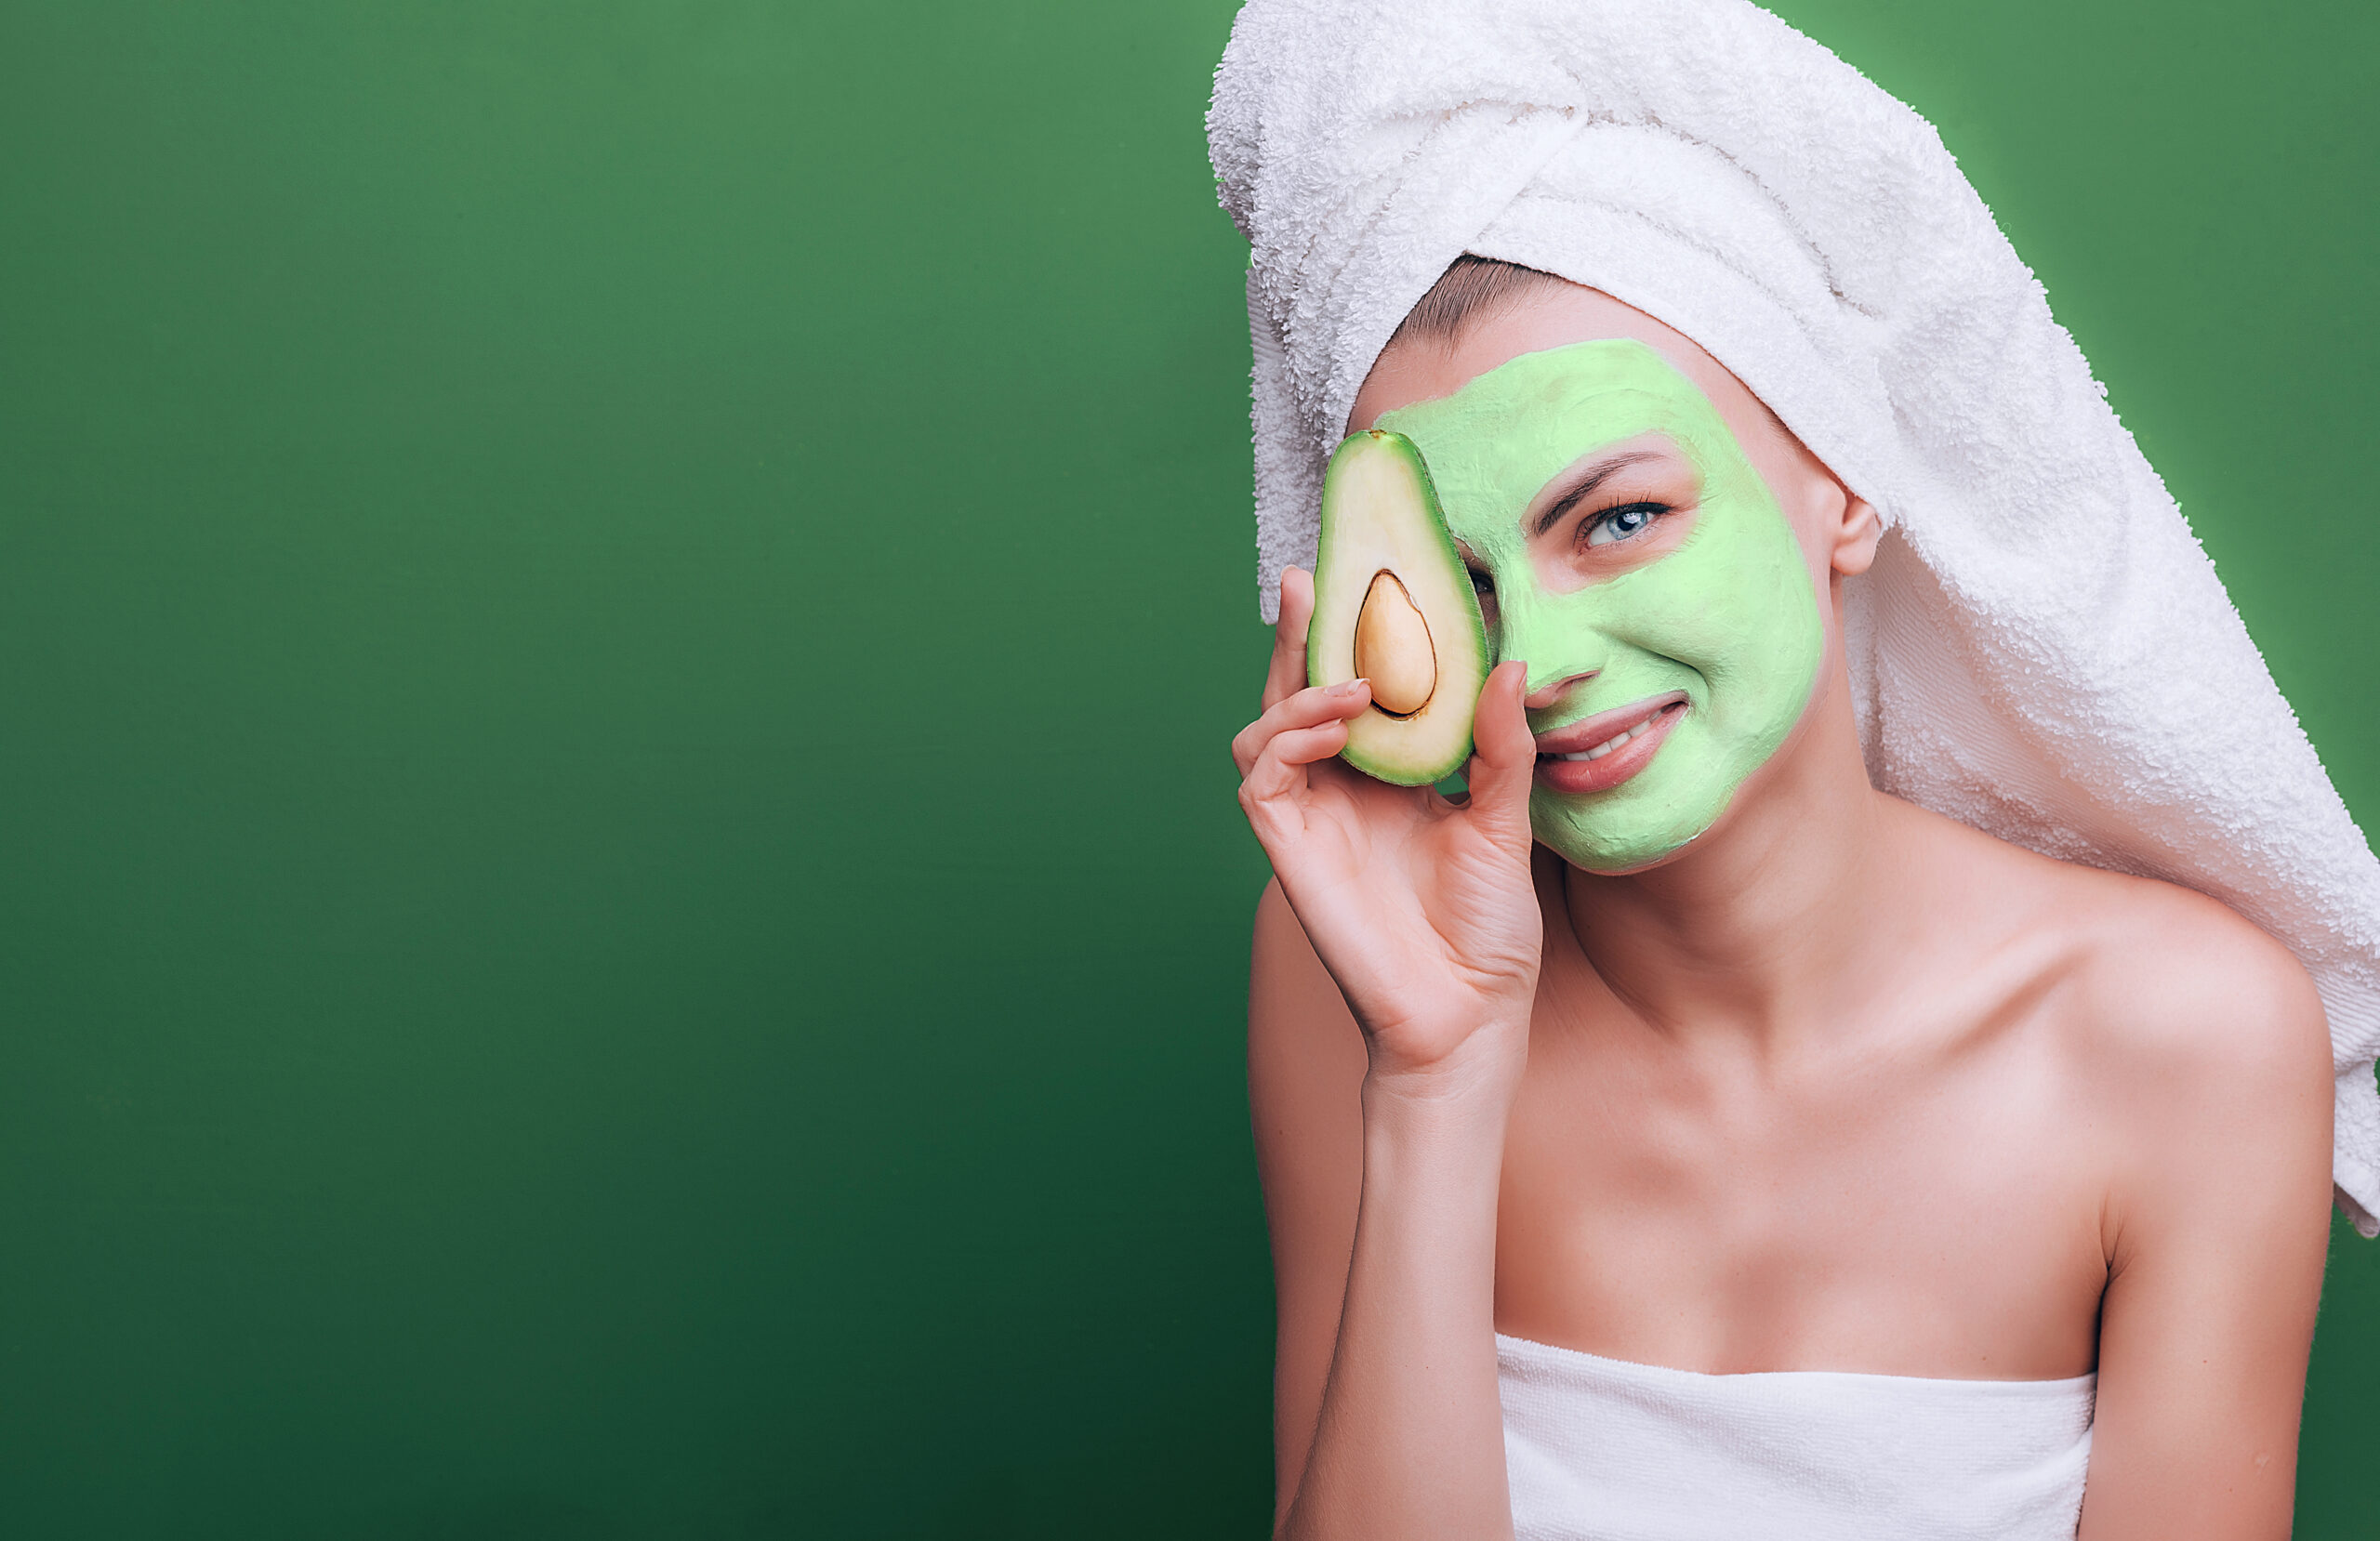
{"points": [[1600, 1450], [2041, 649]]}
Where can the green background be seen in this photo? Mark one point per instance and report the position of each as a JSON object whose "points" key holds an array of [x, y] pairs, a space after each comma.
{"points": [[620, 908]]}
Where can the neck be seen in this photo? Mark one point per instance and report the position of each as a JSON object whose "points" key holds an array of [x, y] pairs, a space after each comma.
{"points": [[1757, 926]]}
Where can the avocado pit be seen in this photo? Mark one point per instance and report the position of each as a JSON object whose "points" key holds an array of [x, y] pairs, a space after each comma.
{"points": [[1393, 648]]}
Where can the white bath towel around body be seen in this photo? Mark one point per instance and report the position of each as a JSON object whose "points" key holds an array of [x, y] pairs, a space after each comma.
{"points": [[2041, 649], [1601, 1450]]}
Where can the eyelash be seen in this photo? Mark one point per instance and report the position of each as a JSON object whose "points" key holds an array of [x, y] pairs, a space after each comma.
{"points": [[1595, 521], [1482, 584]]}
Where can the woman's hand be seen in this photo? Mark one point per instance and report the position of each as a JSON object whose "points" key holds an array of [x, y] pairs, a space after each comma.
{"points": [[1421, 908]]}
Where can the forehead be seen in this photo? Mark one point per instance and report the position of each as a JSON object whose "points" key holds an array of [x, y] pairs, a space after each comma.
{"points": [[1612, 382], [1500, 442], [1539, 319], [1504, 433]]}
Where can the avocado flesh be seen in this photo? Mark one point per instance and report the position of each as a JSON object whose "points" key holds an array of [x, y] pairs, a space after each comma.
{"points": [[1394, 604]]}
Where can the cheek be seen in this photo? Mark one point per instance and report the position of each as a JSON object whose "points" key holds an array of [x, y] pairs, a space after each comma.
{"points": [[1672, 613], [1556, 633], [1732, 602], [1762, 637]]}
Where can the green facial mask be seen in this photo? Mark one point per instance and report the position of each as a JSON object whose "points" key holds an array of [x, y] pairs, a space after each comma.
{"points": [[1728, 616]]}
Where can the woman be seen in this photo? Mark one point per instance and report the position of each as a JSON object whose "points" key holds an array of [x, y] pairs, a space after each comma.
{"points": [[1694, 1139]]}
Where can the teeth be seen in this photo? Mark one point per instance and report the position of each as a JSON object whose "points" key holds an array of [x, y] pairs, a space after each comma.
{"points": [[1608, 746]]}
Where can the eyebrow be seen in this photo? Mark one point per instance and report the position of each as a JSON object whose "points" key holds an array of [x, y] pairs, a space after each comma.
{"points": [[1596, 475]]}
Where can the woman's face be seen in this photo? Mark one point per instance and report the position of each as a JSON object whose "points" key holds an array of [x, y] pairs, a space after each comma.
{"points": [[1624, 542]]}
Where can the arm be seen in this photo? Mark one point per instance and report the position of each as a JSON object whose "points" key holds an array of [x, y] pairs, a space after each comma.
{"points": [[1394, 1313], [1390, 993], [1305, 1087], [2216, 1231]]}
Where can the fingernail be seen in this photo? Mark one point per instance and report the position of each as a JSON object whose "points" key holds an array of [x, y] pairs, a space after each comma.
{"points": [[1350, 688]]}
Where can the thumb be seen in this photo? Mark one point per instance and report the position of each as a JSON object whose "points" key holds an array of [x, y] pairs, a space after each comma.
{"points": [[1503, 763]]}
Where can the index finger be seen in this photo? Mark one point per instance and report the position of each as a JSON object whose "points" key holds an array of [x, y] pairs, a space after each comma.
{"points": [[1285, 675]]}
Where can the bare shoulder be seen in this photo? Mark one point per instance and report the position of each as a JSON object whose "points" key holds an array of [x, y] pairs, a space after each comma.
{"points": [[2154, 973], [2186, 1033], [2177, 988]]}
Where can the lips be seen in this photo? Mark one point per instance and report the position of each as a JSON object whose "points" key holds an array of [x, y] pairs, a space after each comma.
{"points": [[1598, 753]]}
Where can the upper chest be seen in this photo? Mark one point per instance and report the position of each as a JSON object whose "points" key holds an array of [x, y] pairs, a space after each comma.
{"points": [[1928, 1203]]}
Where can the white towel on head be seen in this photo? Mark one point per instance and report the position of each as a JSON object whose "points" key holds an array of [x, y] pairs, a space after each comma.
{"points": [[2035, 649]]}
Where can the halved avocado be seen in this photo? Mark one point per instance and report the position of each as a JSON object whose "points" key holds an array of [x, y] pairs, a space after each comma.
{"points": [[1392, 603]]}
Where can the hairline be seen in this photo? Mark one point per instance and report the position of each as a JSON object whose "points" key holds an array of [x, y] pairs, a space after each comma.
{"points": [[1475, 288]]}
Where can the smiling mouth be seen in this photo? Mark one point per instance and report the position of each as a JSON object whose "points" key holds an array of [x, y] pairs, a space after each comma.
{"points": [[1626, 740], [1615, 730], [1619, 739]]}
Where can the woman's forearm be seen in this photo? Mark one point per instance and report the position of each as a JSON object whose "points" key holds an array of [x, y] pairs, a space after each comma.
{"points": [[1410, 1440]]}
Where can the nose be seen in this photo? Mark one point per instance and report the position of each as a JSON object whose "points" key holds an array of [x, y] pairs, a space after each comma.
{"points": [[1551, 692], [1564, 646]]}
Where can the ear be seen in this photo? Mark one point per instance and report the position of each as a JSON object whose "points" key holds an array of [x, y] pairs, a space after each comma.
{"points": [[1856, 536]]}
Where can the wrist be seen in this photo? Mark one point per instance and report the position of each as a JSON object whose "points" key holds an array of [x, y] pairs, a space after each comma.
{"points": [[1435, 1144], [1475, 1080]]}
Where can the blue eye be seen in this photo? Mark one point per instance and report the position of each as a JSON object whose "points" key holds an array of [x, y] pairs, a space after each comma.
{"points": [[1628, 518]]}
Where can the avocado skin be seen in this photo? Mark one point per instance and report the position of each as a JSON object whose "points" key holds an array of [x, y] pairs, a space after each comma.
{"points": [[1381, 513]]}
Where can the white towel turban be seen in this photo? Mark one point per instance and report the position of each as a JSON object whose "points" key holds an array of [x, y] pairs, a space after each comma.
{"points": [[2041, 643]]}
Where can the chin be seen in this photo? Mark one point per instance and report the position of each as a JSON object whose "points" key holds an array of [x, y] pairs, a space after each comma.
{"points": [[1629, 869], [1646, 822], [1618, 858]]}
